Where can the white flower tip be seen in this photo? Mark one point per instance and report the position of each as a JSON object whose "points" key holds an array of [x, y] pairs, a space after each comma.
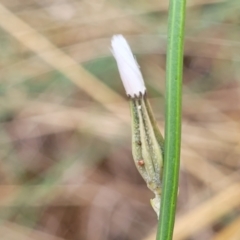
{"points": [[128, 68]]}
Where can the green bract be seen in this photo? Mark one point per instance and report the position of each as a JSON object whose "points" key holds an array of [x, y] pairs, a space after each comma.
{"points": [[147, 146]]}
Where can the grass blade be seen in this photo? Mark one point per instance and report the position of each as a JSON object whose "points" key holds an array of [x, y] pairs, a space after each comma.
{"points": [[173, 119]]}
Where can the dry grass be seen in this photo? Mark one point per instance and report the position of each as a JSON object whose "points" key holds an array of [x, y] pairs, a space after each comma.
{"points": [[66, 167]]}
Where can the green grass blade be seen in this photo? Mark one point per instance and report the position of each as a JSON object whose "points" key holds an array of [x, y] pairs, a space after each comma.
{"points": [[173, 118]]}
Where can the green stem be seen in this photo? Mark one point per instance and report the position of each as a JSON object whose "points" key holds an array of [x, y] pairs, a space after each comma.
{"points": [[173, 119]]}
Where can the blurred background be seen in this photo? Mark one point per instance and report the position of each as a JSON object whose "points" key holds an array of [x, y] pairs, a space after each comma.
{"points": [[66, 168]]}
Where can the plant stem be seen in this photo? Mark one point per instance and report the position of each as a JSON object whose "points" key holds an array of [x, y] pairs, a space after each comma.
{"points": [[173, 119]]}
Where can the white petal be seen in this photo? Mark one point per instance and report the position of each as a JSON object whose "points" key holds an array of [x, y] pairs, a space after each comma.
{"points": [[129, 70]]}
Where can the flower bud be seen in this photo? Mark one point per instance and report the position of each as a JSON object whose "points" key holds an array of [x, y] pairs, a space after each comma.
{"points": [[147, 141]]}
